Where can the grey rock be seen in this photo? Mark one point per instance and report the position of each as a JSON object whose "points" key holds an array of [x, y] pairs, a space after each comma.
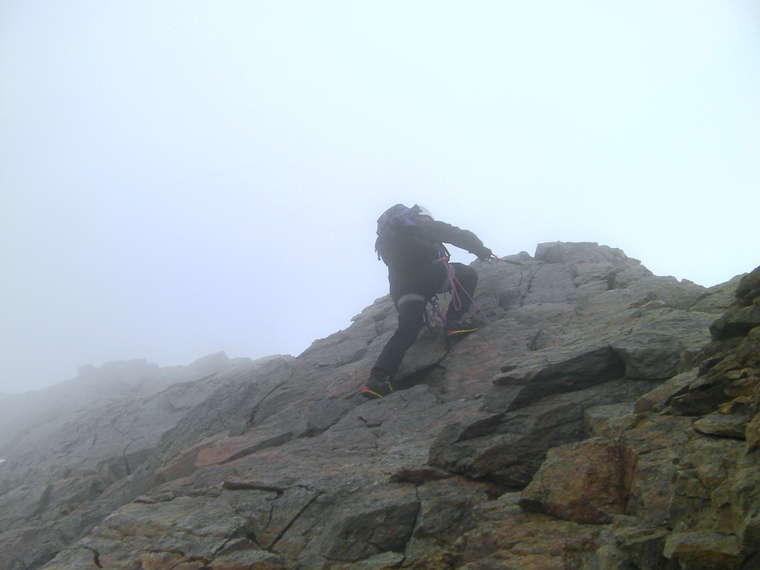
{"points": [[594, 396]]}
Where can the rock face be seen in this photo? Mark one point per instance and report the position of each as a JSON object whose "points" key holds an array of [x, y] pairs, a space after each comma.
{"points": [[603, 418]]}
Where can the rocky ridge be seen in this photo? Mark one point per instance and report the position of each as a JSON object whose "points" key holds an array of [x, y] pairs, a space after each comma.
{"points": [[603, 418]]}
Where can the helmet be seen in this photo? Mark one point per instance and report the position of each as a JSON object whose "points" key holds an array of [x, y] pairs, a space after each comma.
{"points": [[423, 211]]}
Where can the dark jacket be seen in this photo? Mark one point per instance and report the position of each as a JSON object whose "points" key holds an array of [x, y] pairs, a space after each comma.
{"points": [[426, 275]]}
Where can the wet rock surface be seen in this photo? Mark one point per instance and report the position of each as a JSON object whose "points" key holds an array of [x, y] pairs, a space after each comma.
{"points": [[603, 417]]}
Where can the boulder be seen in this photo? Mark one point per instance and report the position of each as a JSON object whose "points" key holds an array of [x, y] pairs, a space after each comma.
{"points": [[580, 482]]}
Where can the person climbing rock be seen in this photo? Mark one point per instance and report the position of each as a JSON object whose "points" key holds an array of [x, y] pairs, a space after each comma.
{"points": [[411, 243]]}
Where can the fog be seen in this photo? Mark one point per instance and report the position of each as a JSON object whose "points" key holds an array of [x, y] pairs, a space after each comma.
{"points": [[181, 178]]}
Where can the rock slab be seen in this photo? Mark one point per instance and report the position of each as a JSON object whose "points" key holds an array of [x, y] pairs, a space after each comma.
{"points": [[604, 418]]}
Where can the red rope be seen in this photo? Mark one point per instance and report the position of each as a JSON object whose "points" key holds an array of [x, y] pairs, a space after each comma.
{"points": [[455, 299]]}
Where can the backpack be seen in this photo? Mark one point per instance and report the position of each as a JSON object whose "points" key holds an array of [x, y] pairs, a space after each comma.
{"points": [[402, 240]]}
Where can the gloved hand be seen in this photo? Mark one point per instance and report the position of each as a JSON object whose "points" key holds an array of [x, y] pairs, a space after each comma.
{"points": [[486, 254]]}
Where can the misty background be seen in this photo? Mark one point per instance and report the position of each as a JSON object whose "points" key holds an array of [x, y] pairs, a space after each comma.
{"points": [[181, 178]]}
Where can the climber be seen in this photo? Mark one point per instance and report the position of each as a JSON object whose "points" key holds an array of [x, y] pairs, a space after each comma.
{"points": [[410, 242]]}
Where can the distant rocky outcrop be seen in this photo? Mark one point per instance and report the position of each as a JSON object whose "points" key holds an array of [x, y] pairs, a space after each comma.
{"points": [[69, 448], [603, 418]]}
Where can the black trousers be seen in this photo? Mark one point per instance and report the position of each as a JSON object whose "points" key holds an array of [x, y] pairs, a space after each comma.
{"points": [[411, 316]]}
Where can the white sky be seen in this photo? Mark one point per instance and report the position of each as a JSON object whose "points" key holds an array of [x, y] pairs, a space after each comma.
{"points": [[179, 178]]}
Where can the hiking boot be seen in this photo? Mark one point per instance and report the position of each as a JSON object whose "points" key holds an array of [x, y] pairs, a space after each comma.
{"points": [[457, 328], [378, 385]]}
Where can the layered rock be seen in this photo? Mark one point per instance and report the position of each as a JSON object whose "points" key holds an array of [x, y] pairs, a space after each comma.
{"points": [[593, 422], [77, 451]]}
